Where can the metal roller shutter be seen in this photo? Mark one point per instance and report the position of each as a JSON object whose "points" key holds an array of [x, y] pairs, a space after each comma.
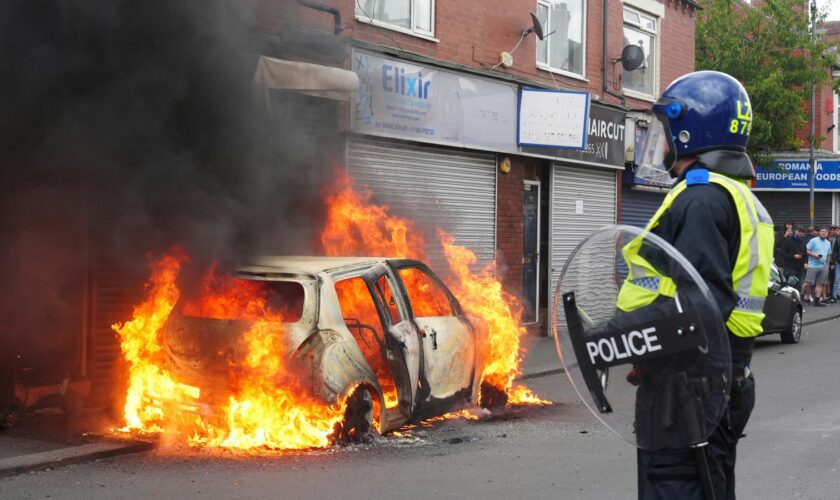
{"points": [[637, 207], [570, 186], [436, 187], [795, 205], [836, 208]]}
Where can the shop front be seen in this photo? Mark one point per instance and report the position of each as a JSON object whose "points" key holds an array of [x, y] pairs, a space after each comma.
{"points": [[583, 186], [784, 190], [424, 140]]}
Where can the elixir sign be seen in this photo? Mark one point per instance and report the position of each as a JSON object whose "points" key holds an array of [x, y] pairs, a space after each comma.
{"points": [[398, 98], [795, 174]]}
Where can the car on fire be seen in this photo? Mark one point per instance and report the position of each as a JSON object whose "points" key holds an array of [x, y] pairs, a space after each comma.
{"points": [[386, 334], [782, 308]]}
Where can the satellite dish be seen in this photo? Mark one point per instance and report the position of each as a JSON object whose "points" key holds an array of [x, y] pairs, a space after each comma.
{"points": [[536, 28], [632, 57]]}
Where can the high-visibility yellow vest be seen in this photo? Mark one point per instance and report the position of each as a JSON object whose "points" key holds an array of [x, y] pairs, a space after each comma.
{"points": [[749, 276]]}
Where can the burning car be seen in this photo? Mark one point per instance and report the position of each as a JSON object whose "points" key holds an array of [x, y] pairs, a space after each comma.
{"points": [[384, 335]]}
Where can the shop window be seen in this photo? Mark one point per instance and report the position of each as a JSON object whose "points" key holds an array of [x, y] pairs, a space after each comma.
{"points": [[564, 50], [642, 29], [410, 16]]}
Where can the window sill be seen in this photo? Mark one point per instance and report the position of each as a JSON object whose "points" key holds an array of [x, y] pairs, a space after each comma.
{"points": [[567, 74], [396, 28], [635, 94]]}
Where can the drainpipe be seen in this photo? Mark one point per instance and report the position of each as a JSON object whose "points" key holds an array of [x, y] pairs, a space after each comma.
{"points": [[329, 10], [605, 87]]}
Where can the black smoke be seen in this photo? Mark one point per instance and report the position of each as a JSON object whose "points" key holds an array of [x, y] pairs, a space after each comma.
{"points": [[126, 127]]}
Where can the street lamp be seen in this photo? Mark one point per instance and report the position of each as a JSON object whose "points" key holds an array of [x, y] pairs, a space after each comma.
{"points": [[812, 157]]}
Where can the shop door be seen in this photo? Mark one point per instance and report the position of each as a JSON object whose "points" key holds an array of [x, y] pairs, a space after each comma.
{"points": [[530, 251]]}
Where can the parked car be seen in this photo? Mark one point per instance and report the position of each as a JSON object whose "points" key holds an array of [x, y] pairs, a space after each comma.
{"points": [[388, 328], [783, 308]]}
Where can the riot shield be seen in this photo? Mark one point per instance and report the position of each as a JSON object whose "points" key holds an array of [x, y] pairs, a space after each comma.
{"points": [[641, 339]]}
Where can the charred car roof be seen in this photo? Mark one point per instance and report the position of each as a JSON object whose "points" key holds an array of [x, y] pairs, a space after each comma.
{"points": [[308, 265]]}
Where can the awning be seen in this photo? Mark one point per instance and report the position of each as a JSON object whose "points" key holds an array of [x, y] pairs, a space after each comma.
{"points": [[307, 78]]}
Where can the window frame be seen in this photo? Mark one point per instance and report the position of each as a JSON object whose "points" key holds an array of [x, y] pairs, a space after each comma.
{"points": [[637, 7], [546, 66], [414, 30], [402, 314], [454, 305]]}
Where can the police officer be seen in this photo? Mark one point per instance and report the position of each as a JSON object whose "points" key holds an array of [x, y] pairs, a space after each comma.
{"points": [[699, 137]]}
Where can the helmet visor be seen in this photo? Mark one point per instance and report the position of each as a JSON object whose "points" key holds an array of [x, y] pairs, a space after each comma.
{"points": [[657, 155]]}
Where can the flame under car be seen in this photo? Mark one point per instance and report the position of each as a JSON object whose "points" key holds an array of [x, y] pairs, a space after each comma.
{"points": [[385, 333]]}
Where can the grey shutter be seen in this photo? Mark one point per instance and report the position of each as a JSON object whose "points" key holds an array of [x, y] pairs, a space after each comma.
{"points": [[435, 187], [795, 205], [597, 189], [637, 207]]}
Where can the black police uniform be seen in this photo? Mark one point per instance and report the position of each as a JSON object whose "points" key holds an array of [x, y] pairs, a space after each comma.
{"points": [[703, 225]]}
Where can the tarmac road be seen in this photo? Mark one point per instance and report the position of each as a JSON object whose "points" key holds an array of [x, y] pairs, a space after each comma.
{"points": [[792, 451]]}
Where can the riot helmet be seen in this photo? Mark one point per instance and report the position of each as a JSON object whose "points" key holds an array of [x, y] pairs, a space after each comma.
{"points": [[705, 113]]}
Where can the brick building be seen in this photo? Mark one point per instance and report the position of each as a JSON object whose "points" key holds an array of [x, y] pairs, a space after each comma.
{"points": [[444, 145]]}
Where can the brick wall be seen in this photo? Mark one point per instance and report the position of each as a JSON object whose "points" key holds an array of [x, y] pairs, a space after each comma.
{"points": [[472, 33], [510, 224]]}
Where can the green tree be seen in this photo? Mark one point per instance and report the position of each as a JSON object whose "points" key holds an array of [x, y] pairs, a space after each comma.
{"points": [[767, 46]]}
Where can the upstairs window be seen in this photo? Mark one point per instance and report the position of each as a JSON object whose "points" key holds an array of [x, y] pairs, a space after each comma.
{"points": [[564, 50], [641, 29], [410, 16]]}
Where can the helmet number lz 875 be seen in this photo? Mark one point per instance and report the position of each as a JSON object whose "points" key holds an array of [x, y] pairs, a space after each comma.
{"points": [[742, 125]]}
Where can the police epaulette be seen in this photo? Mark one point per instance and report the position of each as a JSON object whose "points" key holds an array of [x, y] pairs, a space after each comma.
{"points": [[697, 176]]}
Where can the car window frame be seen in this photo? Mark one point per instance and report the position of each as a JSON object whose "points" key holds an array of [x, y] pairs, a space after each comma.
{"points": [[399, 264]]}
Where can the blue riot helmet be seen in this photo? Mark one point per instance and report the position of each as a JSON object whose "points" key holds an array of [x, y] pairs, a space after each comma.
{"points": [[706, 114]]}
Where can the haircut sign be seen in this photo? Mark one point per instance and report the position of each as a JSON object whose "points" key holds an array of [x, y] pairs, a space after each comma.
{"points": [[795, 174]]}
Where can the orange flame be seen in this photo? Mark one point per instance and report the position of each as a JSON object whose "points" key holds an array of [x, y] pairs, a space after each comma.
{"points": [[261, 412], [356, 226]]}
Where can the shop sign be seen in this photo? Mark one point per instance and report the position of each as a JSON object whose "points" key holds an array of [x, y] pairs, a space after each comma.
{"points": [[604, 141], [795, 174], [400, 99], [553, 118]]}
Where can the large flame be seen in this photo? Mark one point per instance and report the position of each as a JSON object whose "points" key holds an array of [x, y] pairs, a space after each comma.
{"points": [[267, 407], [356, 226], [260, 412]]}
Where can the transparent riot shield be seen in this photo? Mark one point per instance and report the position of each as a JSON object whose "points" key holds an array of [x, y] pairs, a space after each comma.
{"points": [[642, 339]]}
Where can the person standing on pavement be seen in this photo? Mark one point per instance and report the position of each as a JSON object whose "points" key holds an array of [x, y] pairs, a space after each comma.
{"points": [[835, 257], [699, 136], [813, 232], [816, 277], [793, 255]]}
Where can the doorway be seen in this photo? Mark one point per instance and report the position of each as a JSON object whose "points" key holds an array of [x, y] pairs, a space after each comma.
{"points": [[530, 252]]}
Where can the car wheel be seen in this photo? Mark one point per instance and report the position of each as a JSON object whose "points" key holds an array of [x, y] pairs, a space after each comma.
{"points": [[357, 426], [794, 332]]}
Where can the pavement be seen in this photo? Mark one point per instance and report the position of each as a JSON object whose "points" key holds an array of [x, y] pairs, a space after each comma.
{"points": [[44, 440]]}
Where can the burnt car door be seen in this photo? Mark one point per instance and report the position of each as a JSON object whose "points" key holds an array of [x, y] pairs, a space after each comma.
{"points": [[447, 341], [401, 342]]}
